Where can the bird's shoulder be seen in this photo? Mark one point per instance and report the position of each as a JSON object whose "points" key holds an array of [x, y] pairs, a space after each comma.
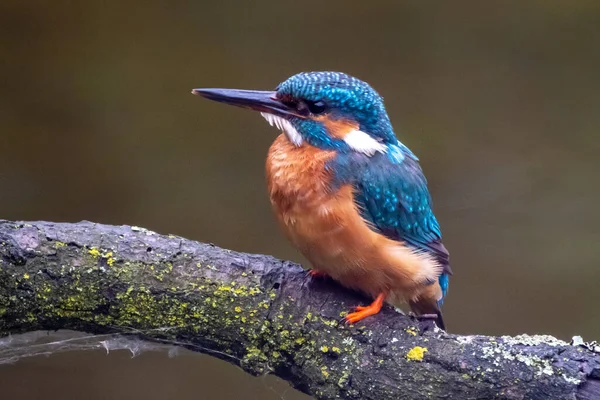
{"points": [[391, 192]]}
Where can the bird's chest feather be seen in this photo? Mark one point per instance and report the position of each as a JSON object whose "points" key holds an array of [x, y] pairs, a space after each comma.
{"points": [[324, 224], [297, 179]]}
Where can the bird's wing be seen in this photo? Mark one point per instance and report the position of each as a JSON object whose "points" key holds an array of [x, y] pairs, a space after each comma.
{"points": [[392, 195]]}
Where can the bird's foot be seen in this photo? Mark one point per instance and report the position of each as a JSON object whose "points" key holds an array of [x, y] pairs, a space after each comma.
{"points": [[365, 311]]}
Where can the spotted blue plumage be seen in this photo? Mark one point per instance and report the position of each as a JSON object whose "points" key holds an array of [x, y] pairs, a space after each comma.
{"points": [[393, 196], [347, 98], [390, 188]]}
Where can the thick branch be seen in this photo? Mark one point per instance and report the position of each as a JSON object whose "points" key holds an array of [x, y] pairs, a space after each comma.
{"points": [[264, 315]]}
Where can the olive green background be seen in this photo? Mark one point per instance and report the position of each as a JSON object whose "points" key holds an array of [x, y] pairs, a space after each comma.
{"points": [[499, 99]]}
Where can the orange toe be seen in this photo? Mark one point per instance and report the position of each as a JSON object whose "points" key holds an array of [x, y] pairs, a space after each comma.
{"points": [[365, 311], [317, 274]]}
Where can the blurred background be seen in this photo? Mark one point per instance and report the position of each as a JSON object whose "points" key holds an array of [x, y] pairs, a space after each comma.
{"points": [[500, 100]]}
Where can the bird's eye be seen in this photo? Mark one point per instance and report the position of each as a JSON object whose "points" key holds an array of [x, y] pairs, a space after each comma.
{"points": [[316, 107]]}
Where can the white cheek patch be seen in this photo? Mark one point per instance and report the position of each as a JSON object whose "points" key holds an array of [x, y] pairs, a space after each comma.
{"points": [[363, 143], [286, 126]]}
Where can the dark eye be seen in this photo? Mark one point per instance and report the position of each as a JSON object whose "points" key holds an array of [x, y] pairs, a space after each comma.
{"points": [[317, 107]]}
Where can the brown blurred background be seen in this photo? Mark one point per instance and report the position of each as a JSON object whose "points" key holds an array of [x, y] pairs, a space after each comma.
{"points": [[500, 101]]}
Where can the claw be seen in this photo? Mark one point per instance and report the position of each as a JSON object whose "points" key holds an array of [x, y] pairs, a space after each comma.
{"points": [[365, 311]]}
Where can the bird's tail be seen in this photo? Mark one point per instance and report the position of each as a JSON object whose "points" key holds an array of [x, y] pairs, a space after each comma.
{"points": [[427, 306]]}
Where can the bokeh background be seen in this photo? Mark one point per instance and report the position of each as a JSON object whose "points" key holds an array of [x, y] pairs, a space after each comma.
{"points": [[500, 100]]}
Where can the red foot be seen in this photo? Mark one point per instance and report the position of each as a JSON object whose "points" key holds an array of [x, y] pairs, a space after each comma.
{"points": [[317, 274], [365, 311]]}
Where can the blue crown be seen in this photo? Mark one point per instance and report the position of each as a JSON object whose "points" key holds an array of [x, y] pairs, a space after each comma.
{"points": [[346, 97]]}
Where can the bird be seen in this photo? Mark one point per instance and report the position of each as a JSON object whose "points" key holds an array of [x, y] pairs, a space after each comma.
{"points": [[348, 194]]}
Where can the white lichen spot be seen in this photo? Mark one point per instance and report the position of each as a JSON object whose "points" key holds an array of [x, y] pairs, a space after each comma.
{"points": [[143, 230], [592, 346], [464, 339], [570, 379], [505, 351], [533, 340], [577, 341]]}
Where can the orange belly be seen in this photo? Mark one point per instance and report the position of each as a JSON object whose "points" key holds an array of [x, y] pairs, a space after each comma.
{"points": [[328, 229]]}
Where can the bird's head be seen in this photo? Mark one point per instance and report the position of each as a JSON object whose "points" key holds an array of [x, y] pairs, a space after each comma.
{"points": [[329, 110]]}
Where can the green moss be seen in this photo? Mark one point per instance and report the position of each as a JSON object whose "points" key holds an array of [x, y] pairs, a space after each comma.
{"points": [[343, 379], [108, 291]]}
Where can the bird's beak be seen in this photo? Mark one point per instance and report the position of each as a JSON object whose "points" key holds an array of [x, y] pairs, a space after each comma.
{"points": [[264, 101]]}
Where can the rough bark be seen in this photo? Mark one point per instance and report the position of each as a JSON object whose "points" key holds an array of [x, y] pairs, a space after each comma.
{"points": [[266, 316]]}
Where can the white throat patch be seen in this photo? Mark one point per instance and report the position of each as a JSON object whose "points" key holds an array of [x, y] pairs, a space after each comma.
{"points": [[363, 143], [286, 126]]}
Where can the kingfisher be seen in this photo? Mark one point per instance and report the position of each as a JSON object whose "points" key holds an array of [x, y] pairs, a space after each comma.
{"points": [[348, 194]]}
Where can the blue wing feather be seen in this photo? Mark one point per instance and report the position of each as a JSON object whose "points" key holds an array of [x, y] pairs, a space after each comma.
{"points": [[391, 192]]}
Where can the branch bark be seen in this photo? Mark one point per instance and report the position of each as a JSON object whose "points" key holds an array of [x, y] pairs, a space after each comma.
{"points": [[266, 316]]}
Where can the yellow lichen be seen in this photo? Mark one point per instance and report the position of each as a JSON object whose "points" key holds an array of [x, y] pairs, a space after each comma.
{"points": [[416, 353], [94, 252], [411, 330], [329, 322], [343, 379], [324, 349], [324, 371], [238, 309], [26, 276]]}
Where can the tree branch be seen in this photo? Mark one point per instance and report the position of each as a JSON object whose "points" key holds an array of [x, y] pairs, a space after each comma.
{"points": [[266, 316]]}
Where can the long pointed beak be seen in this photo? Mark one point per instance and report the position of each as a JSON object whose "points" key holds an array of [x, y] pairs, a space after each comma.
{"points": [[264, 101]]}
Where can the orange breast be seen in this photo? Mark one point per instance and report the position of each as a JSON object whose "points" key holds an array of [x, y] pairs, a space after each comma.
{"points": [[327, 227]]}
